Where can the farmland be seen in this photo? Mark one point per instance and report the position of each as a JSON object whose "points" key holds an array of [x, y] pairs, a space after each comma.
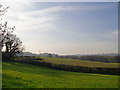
{"points": [[72, 65], [17, 75], [78, 62]]}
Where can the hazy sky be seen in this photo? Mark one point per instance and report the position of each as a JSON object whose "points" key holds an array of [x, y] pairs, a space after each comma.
{"points": [[65, 28]]}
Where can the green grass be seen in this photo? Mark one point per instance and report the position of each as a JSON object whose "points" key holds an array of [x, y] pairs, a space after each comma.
{"points": [[78, 62], [17, 75]]}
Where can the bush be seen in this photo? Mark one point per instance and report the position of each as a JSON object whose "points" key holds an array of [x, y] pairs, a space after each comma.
{"points": [[7, 57]]}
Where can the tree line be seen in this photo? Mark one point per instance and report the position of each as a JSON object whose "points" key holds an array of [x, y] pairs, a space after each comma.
{"points": [[106, 59]]}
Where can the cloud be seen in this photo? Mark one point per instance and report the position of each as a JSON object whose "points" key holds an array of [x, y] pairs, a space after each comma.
{"points": [[81, 48], [111, 35], [31, 20], [82, 7], [59, 1], [34, 26], [25, 18], [115, 32]]}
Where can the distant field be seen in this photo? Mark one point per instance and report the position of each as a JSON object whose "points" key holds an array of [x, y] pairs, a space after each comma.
{"points": [[78, 62], [16, 75]]}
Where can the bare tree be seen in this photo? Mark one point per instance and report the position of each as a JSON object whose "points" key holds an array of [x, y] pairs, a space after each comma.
{"points": [[11, 42], [2, 31], [3, 26], [13, 46], [3, 10]]}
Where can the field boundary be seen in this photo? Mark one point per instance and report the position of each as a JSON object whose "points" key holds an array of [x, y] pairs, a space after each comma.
{"points": [[97, 70]]}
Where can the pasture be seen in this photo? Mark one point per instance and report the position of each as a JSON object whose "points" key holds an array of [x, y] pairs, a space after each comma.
{"points": [[75, 62], [18, 75]]}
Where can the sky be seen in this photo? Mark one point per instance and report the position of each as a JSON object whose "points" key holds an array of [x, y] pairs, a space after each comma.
{"points": [[65, 27]]}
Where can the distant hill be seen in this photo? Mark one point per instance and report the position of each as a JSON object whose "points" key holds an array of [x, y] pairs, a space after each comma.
{"points": [[56, 55], [109, 57], [27, 54], [104, 54], [39, 55]]}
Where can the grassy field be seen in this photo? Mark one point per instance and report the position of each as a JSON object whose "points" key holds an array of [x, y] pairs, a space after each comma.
{"points": [[78, 62], [16, 75]]}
